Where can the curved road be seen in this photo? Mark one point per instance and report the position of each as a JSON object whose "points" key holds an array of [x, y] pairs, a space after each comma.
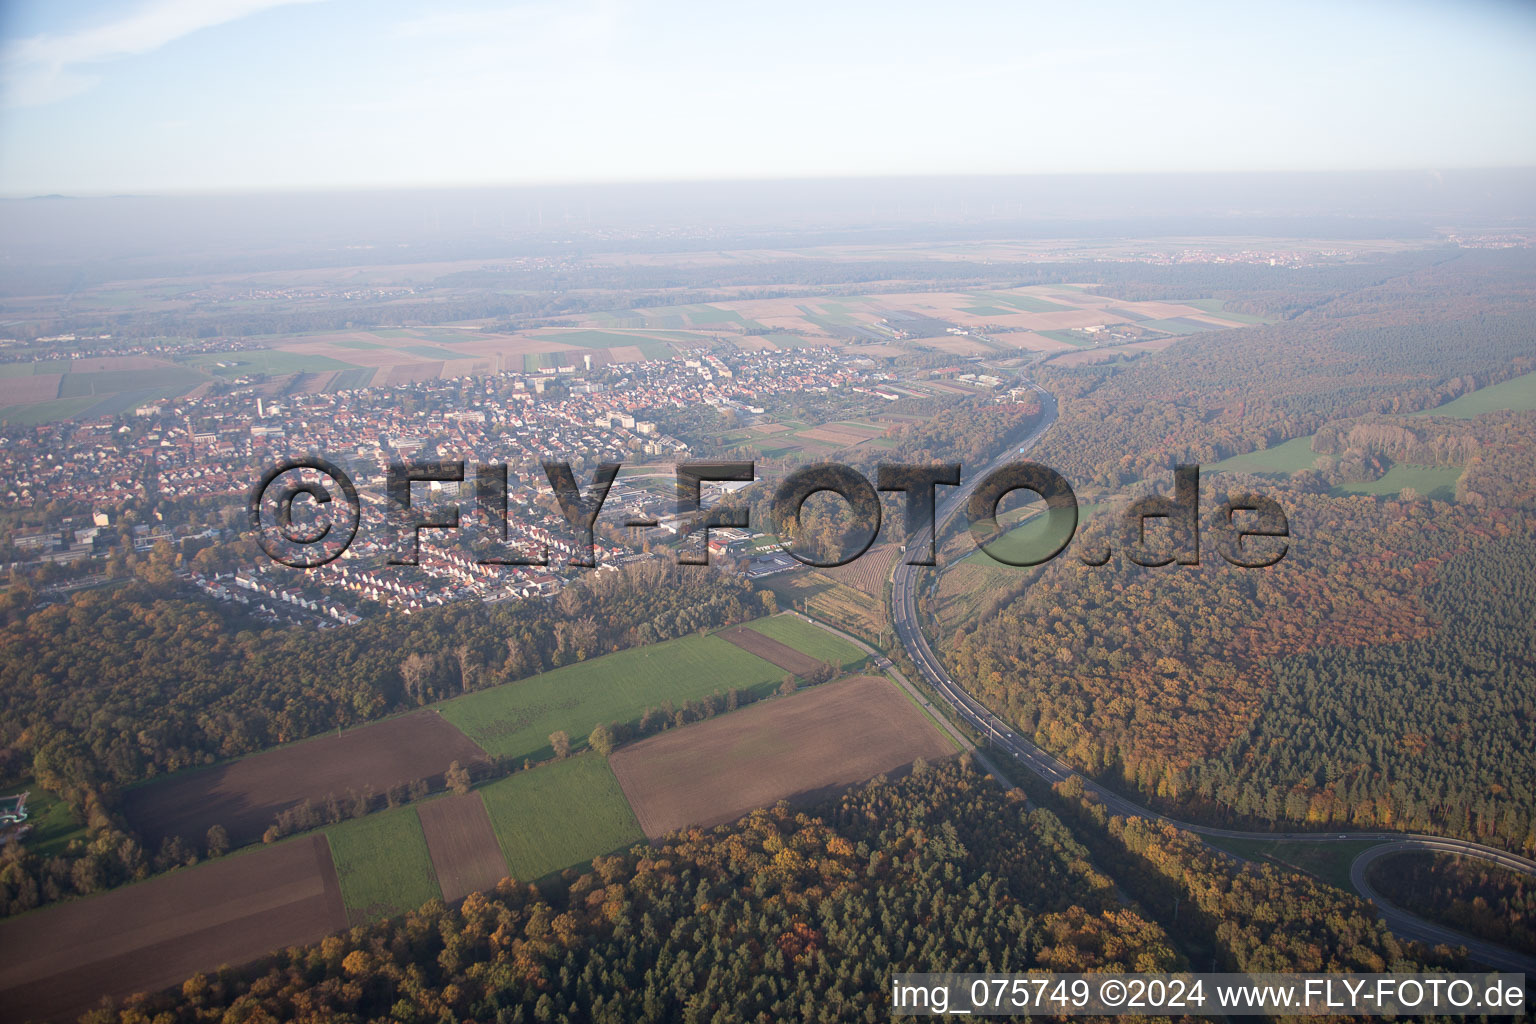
{"points": [[1000, 734]]}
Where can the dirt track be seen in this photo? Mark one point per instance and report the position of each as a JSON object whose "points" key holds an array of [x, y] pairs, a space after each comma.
{"points": [[246, 795], [464, 850], [803, 748], [61, 960]]}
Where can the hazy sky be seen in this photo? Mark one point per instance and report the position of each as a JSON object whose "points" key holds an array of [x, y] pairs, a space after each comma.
{"points": [[170, 95]]}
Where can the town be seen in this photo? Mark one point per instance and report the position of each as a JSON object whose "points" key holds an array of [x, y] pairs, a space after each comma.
{"points": [[166, 483]]}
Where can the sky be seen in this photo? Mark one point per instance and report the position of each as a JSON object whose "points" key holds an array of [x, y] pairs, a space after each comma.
{"points": [[166, 96]]}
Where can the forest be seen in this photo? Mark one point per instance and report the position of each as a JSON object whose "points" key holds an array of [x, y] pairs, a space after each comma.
{"points": [[782, 916], [799, 916], [116, 687], [1232, 915], [1408, 344], [1382, 675], [1471, 896]]}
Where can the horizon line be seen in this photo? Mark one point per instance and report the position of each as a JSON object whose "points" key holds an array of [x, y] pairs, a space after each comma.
{"points": [[234, 191]]}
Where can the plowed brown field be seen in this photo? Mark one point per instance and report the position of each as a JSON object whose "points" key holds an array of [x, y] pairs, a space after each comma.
{"points": [[246, 795], [802, 748], [59, 961], [770, 650], [464, 850]]}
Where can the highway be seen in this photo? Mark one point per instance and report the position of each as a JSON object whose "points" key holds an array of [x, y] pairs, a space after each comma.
{"points": [[904, 616]]}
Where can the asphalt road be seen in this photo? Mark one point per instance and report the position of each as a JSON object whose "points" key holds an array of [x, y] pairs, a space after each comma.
{"points": [[1000, 735]]}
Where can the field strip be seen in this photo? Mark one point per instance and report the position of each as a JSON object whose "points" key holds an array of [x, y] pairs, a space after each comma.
{"points": [[803, 748], [382, 864], [246, 795], [517, 719], [107, 943], [770, 650], [463, 845], [937, 718], [559, 815], [62, 959]]}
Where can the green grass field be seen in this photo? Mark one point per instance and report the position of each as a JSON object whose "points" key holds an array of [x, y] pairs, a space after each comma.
{"points": [[53, 823], [659, 317], [650, 347], [590, 339], [383, 864], [517, 719], [33, 369], [173, 379], [1430, 481], [559, 815], [447, 334], [262, 360], [1180, 325], [1070, 337], [1022, 303], [1030, 538], [1217, 306], [808, 639], [1518, 394], [704, 315], [432, 352], [1286, 458], [987, 311], [45, 412], [1327, 862], [346, 380]]}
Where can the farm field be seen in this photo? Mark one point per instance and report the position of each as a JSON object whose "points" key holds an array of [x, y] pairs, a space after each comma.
{"points": [[1020, 301], [782, 655], [810, 640], [820, 595], [650, 345], [60, 960], [874, 320], [869, 572], [803, 747], [29, 389], [262, 360], [1518, 394], [42, 366], [1068, 337], [465, 855], [246, 795], [559, 815], [33, 413], [1037, 318], [58, 389], [382, 864], [516, 719]]}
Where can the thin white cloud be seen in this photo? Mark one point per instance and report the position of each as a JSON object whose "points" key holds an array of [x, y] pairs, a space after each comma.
{"points": [[46, 68]]}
